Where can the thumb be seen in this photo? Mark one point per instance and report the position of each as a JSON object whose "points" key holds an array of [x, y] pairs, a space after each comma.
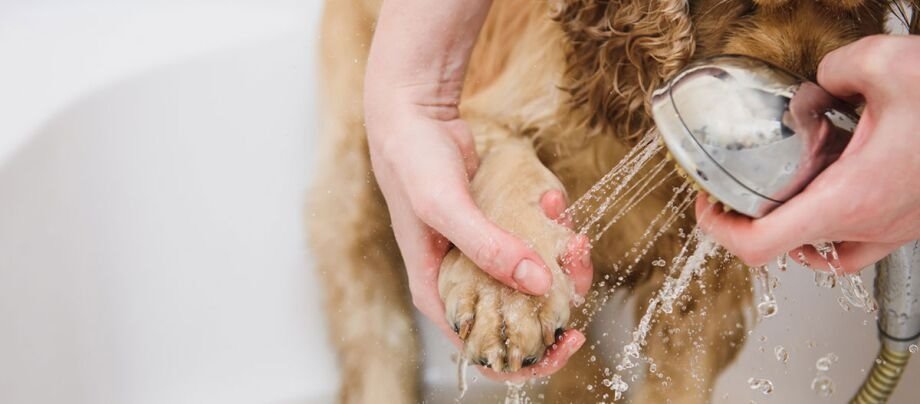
{"points": [[494, 250]]}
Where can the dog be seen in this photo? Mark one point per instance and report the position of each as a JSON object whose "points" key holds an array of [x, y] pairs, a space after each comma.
{"points": [[556, 94]]}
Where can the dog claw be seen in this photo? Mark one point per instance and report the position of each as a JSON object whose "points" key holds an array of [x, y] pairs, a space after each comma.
{"points": [[549, 336], [515, 360], [496, 362], [464, 329], [529, 361]]}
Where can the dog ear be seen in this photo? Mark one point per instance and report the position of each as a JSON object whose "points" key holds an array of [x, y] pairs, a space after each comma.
{"points": [[619, 51]]}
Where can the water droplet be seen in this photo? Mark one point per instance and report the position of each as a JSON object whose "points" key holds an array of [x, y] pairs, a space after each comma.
{"points": [[762, 385], [802, 259], [516, 393], [767, 308], [825, 279], [823, 364], [618, 386], [631, 350], [823, 386], [462, 364], [843, 303], [781, 262], [913, 348], [781, 354]]}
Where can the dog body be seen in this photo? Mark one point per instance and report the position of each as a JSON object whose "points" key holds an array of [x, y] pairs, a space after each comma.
{"points": [[556, 95]]}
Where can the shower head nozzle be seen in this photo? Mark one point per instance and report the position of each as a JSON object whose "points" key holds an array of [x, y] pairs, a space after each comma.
{"points": [[750, 134]]}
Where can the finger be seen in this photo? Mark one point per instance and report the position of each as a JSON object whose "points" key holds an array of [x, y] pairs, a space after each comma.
{"points": [[554, 359], [576, 262], [576, 259], [441, 198], [853, 256], [861, 68], [729, 229], [423, 251], [795, 223], [497, 252], [553, 204]]}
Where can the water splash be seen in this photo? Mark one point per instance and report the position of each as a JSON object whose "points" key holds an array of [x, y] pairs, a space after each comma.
{"points": [[617, 385], [686, 266], [852, 287], [782, 263], [823, 364], [617, 185], [462, 364], [767, 307], [825, 280], [823, 386], [764, 386], [681, 200], [781, 354], [516, 394]]}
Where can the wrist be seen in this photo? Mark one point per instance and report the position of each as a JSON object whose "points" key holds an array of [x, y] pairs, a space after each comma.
{"points": [[400, 103]]}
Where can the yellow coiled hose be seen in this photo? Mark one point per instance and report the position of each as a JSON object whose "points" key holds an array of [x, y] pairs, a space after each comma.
{"points": [[883, 378]]}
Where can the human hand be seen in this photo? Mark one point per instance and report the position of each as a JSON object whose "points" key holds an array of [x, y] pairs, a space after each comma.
{"points": [[423, 166], [869, 199]]}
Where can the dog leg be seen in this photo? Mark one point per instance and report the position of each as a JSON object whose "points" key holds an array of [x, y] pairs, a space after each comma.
{"points": [[366, 302], [366, 295], [502, 328]]}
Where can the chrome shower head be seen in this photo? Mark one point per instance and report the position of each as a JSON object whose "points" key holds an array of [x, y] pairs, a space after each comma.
{"points": [[750, 134], [753, 135]]}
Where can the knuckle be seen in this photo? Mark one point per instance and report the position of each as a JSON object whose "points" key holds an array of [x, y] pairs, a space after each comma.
{"points": [[879, 56]]}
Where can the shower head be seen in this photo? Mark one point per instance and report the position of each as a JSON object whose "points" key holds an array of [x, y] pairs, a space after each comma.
{"points": [[753, 135], [750, 134]]}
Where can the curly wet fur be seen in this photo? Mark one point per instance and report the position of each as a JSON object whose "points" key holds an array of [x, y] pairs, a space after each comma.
{"points": [[618, 52], [571, 78]]}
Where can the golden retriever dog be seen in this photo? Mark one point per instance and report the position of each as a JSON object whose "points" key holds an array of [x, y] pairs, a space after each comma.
{"points": [[556, 94]]}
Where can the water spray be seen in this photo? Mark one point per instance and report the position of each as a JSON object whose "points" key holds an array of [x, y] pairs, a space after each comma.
{"points": [[752, 136]]}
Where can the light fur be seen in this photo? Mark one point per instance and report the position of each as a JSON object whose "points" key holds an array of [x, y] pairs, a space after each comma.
{"points": [[555, 94]]}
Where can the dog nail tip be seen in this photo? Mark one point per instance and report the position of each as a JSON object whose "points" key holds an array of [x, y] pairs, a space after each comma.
{"points": [[464, 330]]}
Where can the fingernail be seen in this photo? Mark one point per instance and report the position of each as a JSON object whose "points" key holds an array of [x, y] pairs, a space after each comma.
{"points": [[531, 277]]}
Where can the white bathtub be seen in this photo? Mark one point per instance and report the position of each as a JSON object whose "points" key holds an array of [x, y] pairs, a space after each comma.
{"points": [[153, 162]]}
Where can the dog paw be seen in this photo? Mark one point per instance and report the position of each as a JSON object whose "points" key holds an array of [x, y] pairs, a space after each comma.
{"points": [[501, 328]]}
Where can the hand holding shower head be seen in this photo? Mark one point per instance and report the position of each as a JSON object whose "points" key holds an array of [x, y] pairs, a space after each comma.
{"points": [[753, 135], [750, 134]]}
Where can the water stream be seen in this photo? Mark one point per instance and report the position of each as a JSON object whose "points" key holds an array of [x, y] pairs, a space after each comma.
{"points": [[626, 185]]}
